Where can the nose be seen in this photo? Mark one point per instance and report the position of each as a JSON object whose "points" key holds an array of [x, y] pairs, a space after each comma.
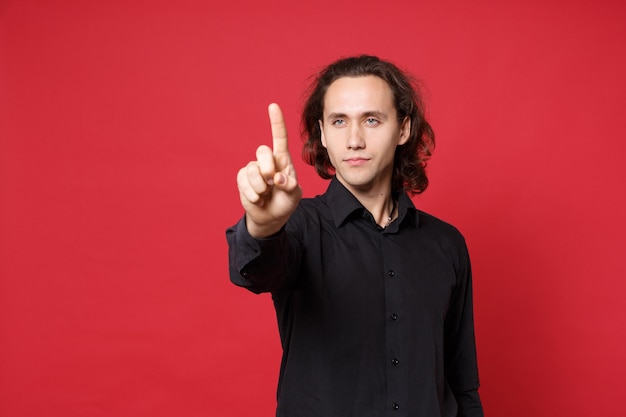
{"points": [[355, 138]]}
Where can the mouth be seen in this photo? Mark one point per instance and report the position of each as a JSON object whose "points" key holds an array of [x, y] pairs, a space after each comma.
{"points": [[356, 161]]}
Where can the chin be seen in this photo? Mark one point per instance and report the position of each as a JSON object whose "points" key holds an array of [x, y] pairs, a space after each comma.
{"points": [[355, 181]]}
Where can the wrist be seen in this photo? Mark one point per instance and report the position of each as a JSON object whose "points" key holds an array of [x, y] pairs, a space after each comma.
{"points": [[262, 231]]}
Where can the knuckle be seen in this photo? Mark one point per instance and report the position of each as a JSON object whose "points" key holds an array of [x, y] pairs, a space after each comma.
{"points": [[253, 198], [242, 174], [263, 151], [252, 169]]}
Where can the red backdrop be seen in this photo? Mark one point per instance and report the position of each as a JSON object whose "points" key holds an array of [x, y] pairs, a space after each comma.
{"points": [[122, 127]]}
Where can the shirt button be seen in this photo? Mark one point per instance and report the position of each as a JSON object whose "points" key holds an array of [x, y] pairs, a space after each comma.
{"points": [[245, 274], [395, 362], [394, 316], [391, 273], [396, 406]]}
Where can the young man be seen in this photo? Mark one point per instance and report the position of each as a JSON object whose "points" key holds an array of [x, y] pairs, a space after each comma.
{"points": [[373, 297]]}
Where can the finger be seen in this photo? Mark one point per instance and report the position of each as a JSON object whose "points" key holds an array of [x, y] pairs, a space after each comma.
{"points": [[279, 130], [255, 178], [265, 161], [247, 194]]}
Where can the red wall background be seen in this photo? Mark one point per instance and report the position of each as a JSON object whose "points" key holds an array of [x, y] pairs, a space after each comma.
{"points": [[122, 127]]}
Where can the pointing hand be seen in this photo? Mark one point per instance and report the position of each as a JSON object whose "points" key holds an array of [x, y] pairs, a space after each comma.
{"points": [[268, 187]]}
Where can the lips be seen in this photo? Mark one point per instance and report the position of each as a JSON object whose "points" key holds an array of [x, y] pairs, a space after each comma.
{"points": [[356, 161]]}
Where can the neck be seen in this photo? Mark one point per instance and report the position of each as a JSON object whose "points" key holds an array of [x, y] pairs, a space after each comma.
{"points": [[380, 204]]}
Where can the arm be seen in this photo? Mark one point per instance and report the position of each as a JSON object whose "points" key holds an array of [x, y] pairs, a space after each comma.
{"points": [[262, 265], [460, 346]]}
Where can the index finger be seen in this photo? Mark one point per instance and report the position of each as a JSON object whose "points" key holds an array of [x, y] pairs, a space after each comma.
{"points": [[279, 130]]}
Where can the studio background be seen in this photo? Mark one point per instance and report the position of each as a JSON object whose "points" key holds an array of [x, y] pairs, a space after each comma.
{"points": [[122, 127]]}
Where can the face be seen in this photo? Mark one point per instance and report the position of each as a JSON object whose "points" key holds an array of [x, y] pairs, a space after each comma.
{"points": [[360, 131]]}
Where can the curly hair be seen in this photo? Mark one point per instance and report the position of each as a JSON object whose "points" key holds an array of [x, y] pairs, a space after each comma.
{"points": [[409, 169]]}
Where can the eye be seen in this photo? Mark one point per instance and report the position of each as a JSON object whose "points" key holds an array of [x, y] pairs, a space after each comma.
{"points": [[370, 121], [339, 122]]}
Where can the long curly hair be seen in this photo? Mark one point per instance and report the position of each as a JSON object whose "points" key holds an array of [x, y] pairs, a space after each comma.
{"points": [[409, 169]]}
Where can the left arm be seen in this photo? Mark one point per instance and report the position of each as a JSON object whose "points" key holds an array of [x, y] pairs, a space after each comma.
{"points": [[460, 346]]}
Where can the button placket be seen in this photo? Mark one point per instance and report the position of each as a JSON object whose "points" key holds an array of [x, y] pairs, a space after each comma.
{"points": [[396, 392]]}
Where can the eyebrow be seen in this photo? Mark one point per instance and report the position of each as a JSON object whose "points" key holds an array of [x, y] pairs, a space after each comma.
{"points": [[369, 113]]}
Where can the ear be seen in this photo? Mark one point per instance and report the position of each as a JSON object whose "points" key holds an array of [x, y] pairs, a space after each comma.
{"points": [[322, 133], [405, 131]]}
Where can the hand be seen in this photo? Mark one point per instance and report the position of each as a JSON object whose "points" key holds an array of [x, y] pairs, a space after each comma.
{"points": [[268, 187]]}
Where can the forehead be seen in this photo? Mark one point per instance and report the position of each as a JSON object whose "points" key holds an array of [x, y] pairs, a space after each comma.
{"points": [[353, 94]]}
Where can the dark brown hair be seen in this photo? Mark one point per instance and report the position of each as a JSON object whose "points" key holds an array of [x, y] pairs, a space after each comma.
{"points": [[409, 173]]}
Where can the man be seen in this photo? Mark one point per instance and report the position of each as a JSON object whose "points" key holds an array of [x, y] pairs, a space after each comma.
{"points": [[373, 297]]}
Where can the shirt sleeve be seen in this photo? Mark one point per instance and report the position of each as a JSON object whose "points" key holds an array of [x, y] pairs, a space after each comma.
{"points": [[460, 346], [262, 265]]}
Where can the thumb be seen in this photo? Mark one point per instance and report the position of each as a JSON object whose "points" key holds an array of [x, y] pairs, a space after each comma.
{"points": [[285, 182], [280, 179]]}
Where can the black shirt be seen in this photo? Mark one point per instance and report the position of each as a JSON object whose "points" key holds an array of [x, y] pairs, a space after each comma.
{"points": [[373, 322]]}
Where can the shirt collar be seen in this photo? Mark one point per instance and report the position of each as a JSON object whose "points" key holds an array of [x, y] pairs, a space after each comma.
{"points": [[342, 204]]}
